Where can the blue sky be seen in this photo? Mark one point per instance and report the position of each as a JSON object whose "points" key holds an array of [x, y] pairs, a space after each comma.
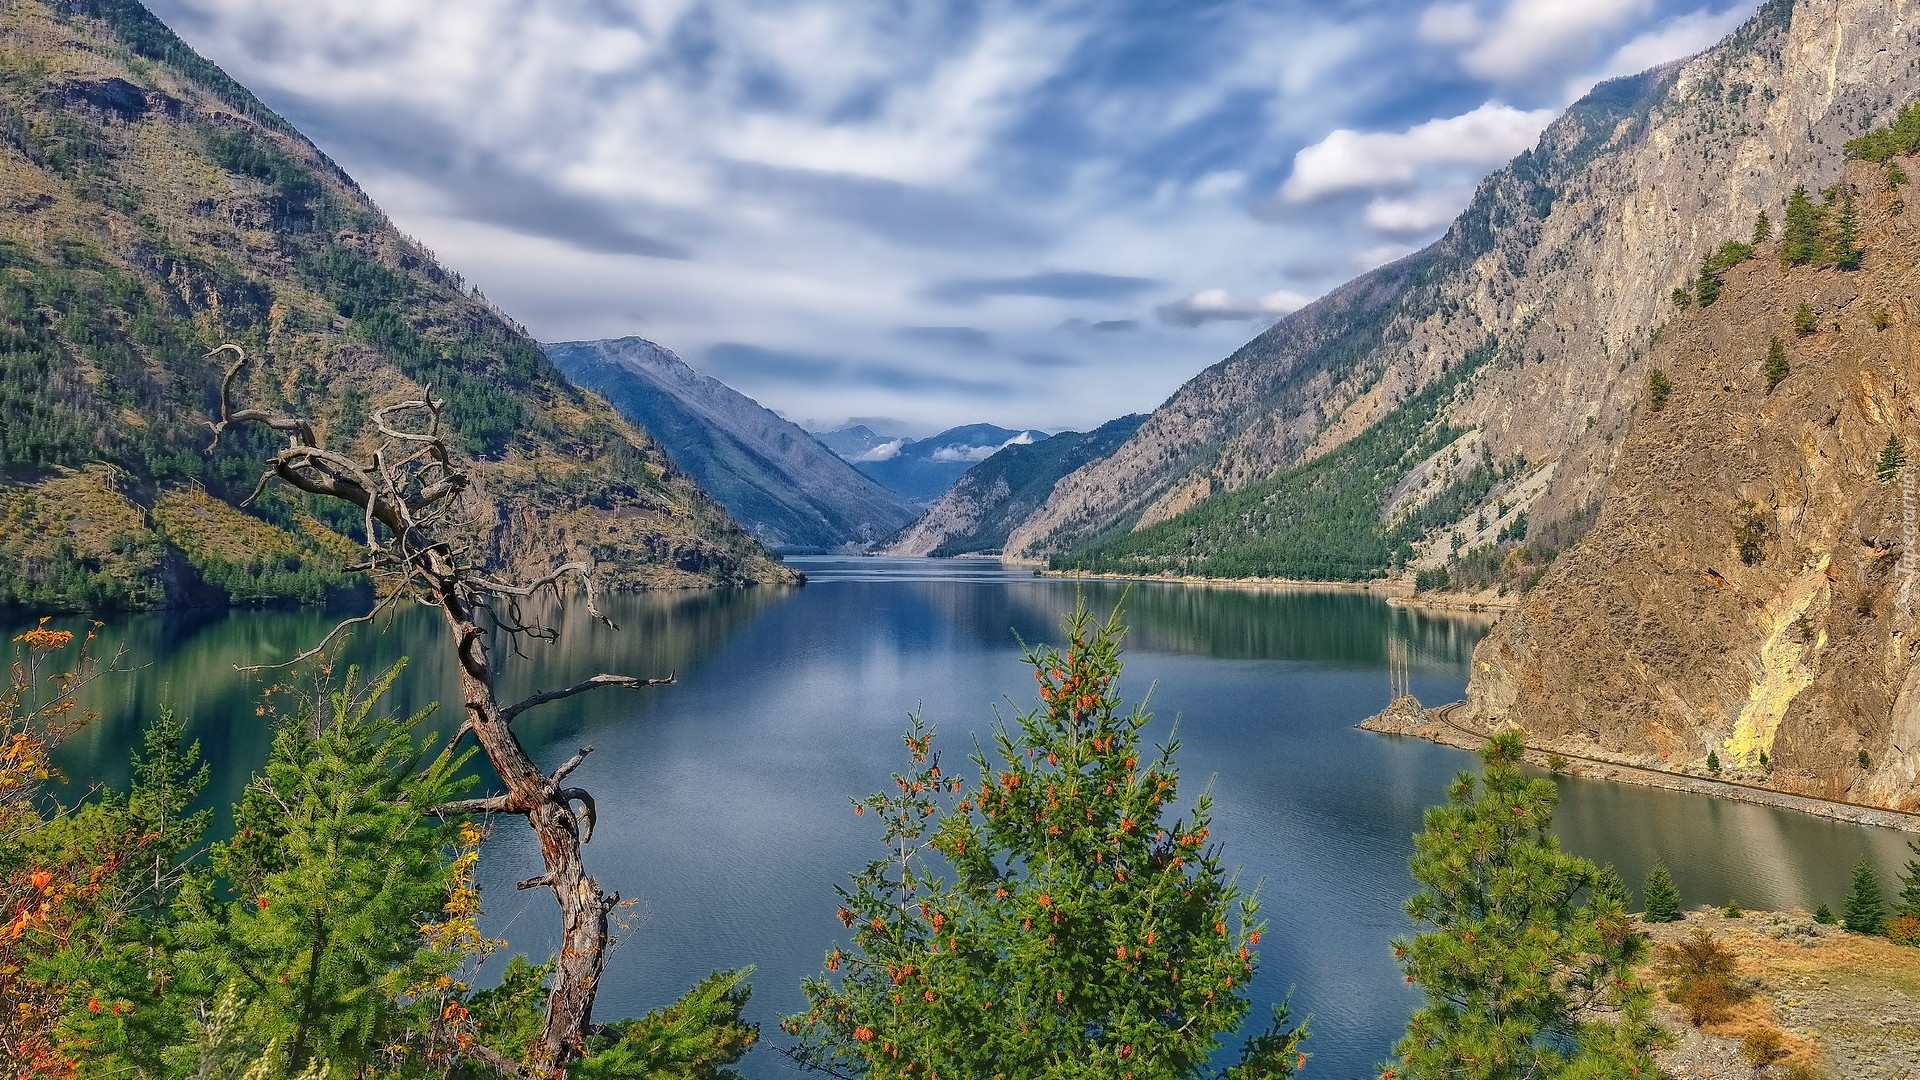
{"points": [[924, 213]]}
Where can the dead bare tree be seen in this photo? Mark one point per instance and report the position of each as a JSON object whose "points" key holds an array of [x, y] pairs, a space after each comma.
{"points": [[408, 492]]}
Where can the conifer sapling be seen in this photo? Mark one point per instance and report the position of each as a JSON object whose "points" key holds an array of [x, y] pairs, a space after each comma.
{"points": [[1662, 895], [1865, 911]]}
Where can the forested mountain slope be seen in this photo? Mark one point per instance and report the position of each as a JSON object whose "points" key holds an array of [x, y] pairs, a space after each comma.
{"points": [[150, 209], [1564, 260], [1748, 591], [982, 507], [776, 480]]}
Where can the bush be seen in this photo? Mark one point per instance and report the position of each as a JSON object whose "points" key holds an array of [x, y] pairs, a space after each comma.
{"points": [[1804, 320], [1764, 1047], [1904, 930], [1659, 388], [1776, 367], [1700, 977], [1733, 910]]}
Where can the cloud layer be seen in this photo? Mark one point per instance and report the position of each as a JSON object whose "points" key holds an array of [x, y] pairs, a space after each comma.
{"points": [[1040, 213]]}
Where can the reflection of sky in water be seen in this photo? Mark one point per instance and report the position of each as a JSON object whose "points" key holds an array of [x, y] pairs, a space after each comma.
{"points": [[724, 798]]}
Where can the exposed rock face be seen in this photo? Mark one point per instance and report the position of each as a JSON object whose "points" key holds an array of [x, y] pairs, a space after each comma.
{"points": [[1565, 257], [775, 479], [150, 209], [990, 499], [921, 470], [1747, 590]]}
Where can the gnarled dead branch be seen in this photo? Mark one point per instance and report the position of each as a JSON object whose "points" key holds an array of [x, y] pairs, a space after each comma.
{"points": [[406, 493]]}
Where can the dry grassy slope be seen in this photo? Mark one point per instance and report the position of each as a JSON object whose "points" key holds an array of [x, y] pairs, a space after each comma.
{"points": [[113, 185], [1653, 641], [1636, 183]]}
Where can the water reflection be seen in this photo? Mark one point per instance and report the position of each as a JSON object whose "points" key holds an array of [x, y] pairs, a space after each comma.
{"points": [[725, 798]]}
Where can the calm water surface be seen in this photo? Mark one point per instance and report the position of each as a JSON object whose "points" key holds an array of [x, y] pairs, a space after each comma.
{"points": [[724, 798]]}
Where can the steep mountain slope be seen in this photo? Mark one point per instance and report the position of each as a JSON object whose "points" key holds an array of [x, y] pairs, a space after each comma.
{"points": [[1748, 590], [990, 499], [773, 477], [1565, 259], [150, 208], [922, 470]]}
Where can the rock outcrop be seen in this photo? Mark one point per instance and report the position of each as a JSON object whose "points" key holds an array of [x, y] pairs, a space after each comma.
{"points": [[1748, 590]]}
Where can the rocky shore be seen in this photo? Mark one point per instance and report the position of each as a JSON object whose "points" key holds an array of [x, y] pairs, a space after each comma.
{"points": [[1447, 724]]}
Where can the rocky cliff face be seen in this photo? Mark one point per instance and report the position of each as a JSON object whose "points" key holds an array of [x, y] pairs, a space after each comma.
{"points": [[1565, 258], [1747, 592], [150, 209], [989, 500], [776, 480]]}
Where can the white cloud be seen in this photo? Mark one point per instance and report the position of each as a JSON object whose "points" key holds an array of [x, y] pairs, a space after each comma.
{"points": [[1450, 24], [1378, 255], [1349, 160], [1684, 36], [885, 451], [1219, 305], [1417, 213], [1532, 34]]}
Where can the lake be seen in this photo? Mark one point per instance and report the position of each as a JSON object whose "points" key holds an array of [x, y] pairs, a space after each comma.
{"points": [[724, 798]]}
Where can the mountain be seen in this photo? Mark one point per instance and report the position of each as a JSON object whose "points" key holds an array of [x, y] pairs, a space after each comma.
{"points": [[150, 209], [991, 498], [922, 469], [1747, 592], [1550, 285], [774, 478]]}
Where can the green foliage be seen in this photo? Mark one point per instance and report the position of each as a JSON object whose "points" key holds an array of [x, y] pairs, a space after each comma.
{"points": [[1893, 458], [1824, 915], [1083, 931], [1800, 241], [1908, 901], [335, 866], [1435, 579], [1846, 250], [1776, 368], [695, 1038], [1865, 761], [1706, 284], [1659, 388], [1526, 943], [1804, 320], [1762, 228], [1682, 298], [1900, 137], [1865, 911], [1713, 269], [1662, 895], [1733, 910], [1895, 175], [1319, 519], [1713, 758]]}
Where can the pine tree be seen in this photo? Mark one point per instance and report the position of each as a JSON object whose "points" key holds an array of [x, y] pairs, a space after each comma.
{"points": [[1659, 388], [1052, 916], [1776, 369], [1893, 458], [1662, 895], [1908, 901], [1865, 911], [1762, 228], [1713, 762], [1706, 284], [1800, 236], [1523, 942], [334, 872], [1847, 251], [1824, 915]]}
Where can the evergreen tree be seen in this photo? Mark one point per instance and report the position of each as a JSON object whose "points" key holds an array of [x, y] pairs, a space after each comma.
{"points": [[1713, 762], [1804, 320], [1706, 284], [1893, 458], [1865, 911], [1659, 388], [1523, 943], [1682, 298], [1762, 228], [1909, 899], [1824, 915], [1776, 368], [335, 872], [1662, 895], [1800, 236], [1082, 929], [1847, 251]]}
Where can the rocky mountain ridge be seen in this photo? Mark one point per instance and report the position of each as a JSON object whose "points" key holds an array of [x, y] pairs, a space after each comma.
{"points": [[921, 470], [1565, 259], [989, 500], [150, 209], [774, 478]]}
